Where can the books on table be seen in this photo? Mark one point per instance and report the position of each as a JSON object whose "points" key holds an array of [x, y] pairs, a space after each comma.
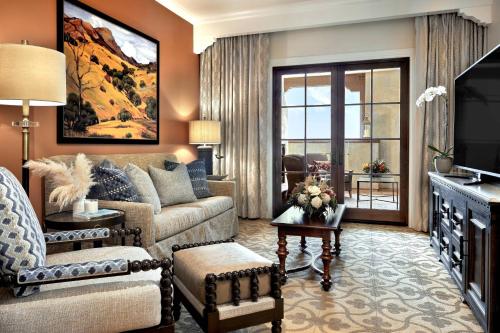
{"points": [[100, 213]]}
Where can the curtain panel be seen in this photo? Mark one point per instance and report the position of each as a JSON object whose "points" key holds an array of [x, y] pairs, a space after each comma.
{"points": [[446, 45], [234, 90]]}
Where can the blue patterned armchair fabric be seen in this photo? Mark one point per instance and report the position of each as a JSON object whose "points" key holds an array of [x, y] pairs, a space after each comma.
{"points": [[22, 243], [72, 271], [76, 235]]}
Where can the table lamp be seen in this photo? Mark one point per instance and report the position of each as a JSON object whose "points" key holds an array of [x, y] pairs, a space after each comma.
{"points": [[31, 76], [205, 133]]}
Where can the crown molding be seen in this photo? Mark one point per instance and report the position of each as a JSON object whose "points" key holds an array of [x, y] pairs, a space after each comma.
{"points": [[319, 13], [481, 14]]}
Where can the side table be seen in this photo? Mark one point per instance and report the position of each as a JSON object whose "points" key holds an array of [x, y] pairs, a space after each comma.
{"points": [[66, 221], [293, 222]]}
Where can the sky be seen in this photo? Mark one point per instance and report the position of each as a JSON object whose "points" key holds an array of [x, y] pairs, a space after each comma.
{"points": [[141, 49], [318, 118]]}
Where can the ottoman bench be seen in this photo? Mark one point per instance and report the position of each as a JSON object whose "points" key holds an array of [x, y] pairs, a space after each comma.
{"points": [[226, 286]]}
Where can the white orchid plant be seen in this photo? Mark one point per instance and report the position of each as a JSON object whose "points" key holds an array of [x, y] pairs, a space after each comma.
{"points": [[428, 96], [313, 196]]}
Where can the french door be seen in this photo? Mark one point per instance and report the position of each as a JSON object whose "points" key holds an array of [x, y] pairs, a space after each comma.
{"points": [[347, 124]]}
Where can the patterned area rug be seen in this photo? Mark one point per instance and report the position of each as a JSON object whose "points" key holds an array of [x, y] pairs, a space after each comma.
{"points": [[387, 279]]}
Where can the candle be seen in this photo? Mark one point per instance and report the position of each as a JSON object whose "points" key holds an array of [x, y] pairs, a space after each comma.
{"points": [[91, 206]]}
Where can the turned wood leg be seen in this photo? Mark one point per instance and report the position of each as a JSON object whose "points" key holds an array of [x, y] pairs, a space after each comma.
{"points": [[177, 304], [282, 253], [326, 257], [276, 328], [303, 243], [337, 241]]}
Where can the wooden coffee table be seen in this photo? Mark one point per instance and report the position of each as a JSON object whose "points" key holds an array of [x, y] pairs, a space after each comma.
{"points": [[293, 223]]}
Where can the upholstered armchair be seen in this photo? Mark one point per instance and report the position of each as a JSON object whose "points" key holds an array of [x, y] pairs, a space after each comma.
{"points": [[110, 289]]}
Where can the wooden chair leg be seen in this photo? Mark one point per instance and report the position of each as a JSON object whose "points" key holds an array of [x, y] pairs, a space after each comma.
{"points": [[177, 304], [276, 326]]}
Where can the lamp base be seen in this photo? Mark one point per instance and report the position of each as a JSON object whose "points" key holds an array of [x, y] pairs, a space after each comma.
{"points": [[206, 153], [26, 178]]}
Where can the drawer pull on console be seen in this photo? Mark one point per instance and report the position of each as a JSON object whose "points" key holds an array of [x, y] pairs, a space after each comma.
{"points": [[459, 217], [455, 262]]}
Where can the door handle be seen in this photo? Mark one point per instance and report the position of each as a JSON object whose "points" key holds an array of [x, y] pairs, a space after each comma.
{"points": [[341, 154]]}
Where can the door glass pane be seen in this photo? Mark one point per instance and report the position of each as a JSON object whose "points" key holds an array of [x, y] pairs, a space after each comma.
{"points": [[293, 123], [386, 121], [388, 151], [386, 85], [319, 89], [293, 90], [357, 87], [357, 121], [292, 164], [319, 158], [385, 192], [356, 155], [318, 122], [361, 192]]}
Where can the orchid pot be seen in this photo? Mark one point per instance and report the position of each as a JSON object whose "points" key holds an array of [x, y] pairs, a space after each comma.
{"points": [[443, 164]]}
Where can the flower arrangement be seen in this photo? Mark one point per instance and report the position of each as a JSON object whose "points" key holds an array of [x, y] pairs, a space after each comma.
{"points": [[443, 159], [376, 167], [313, 196], [71, 183]]}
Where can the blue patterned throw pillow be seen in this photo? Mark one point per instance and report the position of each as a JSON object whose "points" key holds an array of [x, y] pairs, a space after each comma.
{"points": [[197, 174], [22, 244], [112, 183]]}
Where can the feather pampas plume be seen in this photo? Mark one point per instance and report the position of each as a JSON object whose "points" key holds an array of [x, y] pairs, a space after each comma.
{"points": [[70, 182]]}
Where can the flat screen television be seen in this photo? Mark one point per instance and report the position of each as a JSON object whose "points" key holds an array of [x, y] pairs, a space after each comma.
{"points": [[477, 116]]}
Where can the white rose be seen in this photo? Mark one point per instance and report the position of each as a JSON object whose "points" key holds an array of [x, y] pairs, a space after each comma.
{"points": [[313, 190], [326, 198], [316, 202], [302, 199]]}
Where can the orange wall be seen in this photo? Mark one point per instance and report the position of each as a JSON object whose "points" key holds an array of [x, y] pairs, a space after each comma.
{"points": [[35, 20]]}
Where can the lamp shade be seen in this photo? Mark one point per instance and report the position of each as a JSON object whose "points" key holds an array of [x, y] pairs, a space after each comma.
{"points": [[32, 73], [204, 132]]}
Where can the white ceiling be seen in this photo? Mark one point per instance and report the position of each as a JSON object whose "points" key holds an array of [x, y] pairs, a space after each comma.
{"points": [[213, 19], [200, 11]]}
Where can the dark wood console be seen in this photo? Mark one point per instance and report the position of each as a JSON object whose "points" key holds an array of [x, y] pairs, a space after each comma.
{"points": [[464, 225]]}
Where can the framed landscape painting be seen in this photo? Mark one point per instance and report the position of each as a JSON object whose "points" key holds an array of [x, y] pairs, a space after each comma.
{"points": [[112, 82]]}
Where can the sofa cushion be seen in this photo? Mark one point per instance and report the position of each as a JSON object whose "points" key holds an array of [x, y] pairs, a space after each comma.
{"points": [[112, 183], [192, 265], [113, 304], [144, 186], [175, 219], [173, 187], [22, 244], [197, 174], [212, 206]]}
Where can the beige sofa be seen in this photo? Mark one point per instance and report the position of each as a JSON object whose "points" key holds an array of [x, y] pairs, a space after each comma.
{"points": [[207, 219]]}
